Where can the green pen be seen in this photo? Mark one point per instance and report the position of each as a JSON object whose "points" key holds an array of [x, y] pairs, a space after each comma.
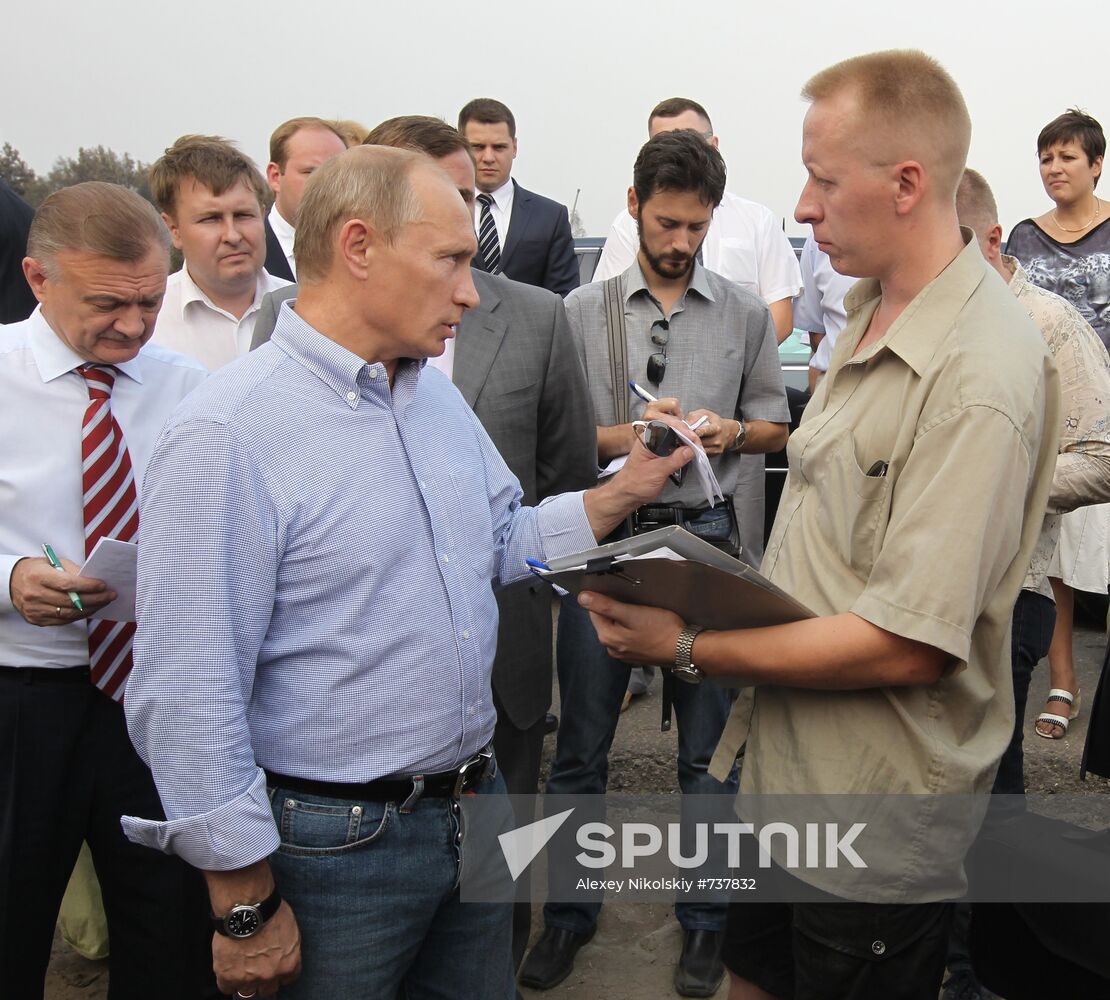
{"points": [[49, 553]]}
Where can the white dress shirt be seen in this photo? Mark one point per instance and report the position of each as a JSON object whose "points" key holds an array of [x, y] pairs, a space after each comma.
{"points": [[284, 233], [40, 463], [820, 306], [501, 209], [745, 243], [191, 323]]}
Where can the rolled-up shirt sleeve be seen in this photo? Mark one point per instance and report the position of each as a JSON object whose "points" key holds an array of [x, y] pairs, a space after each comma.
{"points": [[209, 550]]}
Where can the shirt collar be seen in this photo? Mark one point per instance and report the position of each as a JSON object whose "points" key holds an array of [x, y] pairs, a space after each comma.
{"points": [[503, 196], [282, 229], [633, 281], [55, 358], [343, 372], [917, 333], [192, 292]]}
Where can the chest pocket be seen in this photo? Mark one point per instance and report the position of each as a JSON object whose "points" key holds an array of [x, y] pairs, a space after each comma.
{"points": [[738, 263], [853, 507]]}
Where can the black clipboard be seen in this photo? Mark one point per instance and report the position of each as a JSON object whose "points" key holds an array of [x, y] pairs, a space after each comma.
{"points": [[705, 587]]}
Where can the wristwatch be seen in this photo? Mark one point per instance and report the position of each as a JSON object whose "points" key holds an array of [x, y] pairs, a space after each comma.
{"points": [[684, 668], [244, 920], [741, 437]]}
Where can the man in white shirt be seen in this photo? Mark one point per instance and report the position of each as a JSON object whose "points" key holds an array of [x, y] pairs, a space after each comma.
{"points": [[819, 308], [86, 402], [297, 148], [745, 243], [211, 197]]}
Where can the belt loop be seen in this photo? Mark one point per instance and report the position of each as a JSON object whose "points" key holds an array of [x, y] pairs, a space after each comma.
{"points": [[414, 796]]}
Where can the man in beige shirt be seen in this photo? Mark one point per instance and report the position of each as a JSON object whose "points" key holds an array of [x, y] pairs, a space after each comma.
{"points": [[918, 484]]}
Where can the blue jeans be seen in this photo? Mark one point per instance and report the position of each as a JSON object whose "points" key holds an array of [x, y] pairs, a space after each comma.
{"points": [[591, 686], [375, 896]]}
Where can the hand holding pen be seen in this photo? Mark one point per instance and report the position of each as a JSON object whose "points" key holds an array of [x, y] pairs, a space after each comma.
{"points": [[50, 591], [666, 404]]}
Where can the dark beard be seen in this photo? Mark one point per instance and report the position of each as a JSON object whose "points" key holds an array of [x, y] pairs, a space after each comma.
{"points": [[666, 267]]}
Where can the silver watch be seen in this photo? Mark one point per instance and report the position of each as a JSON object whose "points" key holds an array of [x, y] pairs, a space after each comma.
{"points": [[684, 668], [741, 437]]}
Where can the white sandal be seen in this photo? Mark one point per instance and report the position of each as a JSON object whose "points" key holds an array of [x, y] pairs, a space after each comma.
{"points": [[1073, 703]]}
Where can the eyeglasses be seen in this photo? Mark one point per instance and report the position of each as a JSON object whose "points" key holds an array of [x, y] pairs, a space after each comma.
{"points": [[657, 363]]}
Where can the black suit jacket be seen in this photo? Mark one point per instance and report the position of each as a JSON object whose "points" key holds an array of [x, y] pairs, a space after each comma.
{"points": [[539, 248], [517, 367], [17, 301], [276, 262]]}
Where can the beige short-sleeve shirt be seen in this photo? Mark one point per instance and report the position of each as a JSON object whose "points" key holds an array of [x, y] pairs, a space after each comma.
{"points": [[959, 399]]}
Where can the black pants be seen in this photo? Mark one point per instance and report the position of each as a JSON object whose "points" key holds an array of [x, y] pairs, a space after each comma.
{"points": [[67, 774], [518, 758]]}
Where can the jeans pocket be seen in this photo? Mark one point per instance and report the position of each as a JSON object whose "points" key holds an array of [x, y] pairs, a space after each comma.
{"points": [[318, 828]]}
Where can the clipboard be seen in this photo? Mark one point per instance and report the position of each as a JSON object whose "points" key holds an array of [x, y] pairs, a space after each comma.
{"points": [[674, 569]]}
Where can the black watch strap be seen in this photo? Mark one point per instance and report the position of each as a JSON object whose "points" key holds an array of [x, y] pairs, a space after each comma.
{"points": [[246, 919]]}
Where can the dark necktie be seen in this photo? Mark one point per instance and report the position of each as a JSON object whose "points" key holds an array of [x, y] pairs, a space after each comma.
{"points": [[489, 249], [111, 511]]}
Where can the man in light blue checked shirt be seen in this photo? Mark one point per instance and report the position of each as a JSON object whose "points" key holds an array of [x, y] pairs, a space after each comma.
{"points": [[321, 522]]}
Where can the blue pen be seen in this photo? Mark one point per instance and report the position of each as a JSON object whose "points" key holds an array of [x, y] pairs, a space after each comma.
{"points": [[53, 560], [646, 396], [536, 566]]}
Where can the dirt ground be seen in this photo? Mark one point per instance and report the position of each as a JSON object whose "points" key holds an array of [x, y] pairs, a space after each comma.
{"points": [[633, 953]]}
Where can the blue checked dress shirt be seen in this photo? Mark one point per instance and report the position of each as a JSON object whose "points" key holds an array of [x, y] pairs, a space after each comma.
{"points": [[316, 557]]}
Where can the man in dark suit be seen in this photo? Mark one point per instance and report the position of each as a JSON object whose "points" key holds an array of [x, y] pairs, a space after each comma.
{"points": [[520, 234], [514, 362], [297, 148], [17, 301]]}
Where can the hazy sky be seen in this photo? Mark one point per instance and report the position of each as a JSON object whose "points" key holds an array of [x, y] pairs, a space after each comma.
{"points": [[579, 76]]}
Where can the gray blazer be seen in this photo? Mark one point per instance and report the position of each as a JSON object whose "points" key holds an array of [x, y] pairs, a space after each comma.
{"points": [[516, 365]]}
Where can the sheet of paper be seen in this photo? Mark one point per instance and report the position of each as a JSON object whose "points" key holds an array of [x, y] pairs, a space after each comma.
{"points": [[707, 478], [116, 563], [613, 467]]}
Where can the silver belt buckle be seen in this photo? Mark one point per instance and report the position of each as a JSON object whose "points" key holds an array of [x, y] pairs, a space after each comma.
{"points": [[479, 762]]}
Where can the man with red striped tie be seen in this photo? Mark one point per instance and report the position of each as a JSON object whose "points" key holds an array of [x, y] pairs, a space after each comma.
{"points": [[84, 402]]}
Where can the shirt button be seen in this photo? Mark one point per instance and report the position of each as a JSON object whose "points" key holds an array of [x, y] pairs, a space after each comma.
{"points": [[878, 947], [470, 711], [466, 633], [373, 372], [446, 559], [423, 485], [352, 396]]}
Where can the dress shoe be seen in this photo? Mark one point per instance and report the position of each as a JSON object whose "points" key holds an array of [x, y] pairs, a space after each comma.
{"points": [[552, 958], [550, 724], [700, 970]]}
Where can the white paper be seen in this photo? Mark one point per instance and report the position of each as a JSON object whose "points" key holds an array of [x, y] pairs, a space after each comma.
{"points": [[613, 467], [706, 476], [116, 563]]}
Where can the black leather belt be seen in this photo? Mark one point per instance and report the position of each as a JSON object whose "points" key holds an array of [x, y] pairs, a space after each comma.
{"points": [[660, 514], [46, 675], [440, 785]]}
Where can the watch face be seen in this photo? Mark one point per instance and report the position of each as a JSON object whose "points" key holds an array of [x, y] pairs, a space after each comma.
{"points": [[243, 921]]}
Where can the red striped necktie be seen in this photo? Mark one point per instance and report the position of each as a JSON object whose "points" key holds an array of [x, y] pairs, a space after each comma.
{"points": [[111, 511]]}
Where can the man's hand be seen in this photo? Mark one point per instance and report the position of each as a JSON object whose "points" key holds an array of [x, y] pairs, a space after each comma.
{"points": [[717, 433], [667, 406], [41, 594], [638, 482], [633, 633], [262, 963], [265, 961]]}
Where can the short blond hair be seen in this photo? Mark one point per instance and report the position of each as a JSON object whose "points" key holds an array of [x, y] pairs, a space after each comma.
{"points": [[353, 133], [98, 218], [975, 204], [279, 140], [913, 99], [209, 160], [372, 183]]}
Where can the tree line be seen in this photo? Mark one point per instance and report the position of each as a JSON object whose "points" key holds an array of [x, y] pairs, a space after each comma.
{"points": [[97, 163]]}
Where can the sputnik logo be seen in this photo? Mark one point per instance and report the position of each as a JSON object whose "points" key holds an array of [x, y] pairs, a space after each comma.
{"points": [[520, 846]]}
